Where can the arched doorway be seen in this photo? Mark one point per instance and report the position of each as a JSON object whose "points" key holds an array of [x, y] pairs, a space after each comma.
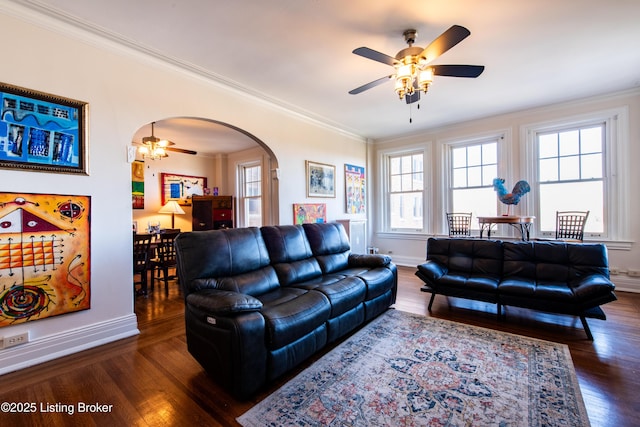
{"points": [[204, 147]]}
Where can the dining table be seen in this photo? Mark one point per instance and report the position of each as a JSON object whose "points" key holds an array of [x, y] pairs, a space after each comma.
{"points": [[521, 223]]}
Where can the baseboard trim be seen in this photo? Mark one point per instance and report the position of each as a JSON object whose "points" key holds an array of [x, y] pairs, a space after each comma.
{"points": [[626, 283], [66, 343], [406, 261]]}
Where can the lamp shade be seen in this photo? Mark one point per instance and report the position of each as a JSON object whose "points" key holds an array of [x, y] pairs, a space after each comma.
{"points": [[171, 207]]}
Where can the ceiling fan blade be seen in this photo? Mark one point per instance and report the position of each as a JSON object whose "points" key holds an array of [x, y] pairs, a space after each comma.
{"points": [[444, 42], [181, 150], [458, 70], [375, 55], [370, 85]]}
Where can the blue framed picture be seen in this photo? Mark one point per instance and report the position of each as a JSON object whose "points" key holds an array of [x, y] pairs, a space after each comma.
{"points": [[42, 132]]}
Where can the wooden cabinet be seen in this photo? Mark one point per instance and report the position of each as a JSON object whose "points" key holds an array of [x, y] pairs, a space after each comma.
{"points": [[212, 212], [357, 232]]}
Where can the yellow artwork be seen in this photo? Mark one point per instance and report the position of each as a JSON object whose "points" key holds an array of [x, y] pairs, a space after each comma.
{"points": [[45, 261], [305, 213]]}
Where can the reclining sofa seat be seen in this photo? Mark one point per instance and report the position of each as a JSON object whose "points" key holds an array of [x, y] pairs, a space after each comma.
{"points": [[330, 245], [296, 267], [241, 325], [261, 301]]}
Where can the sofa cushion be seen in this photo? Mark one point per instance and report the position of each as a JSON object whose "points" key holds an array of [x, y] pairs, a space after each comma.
{"points": [[378, 281], [221, 253], [286, 243], [291, 313], [290, 254], [344, 293], [330, 245], [532, 289], [467, 256], [554, 262]]}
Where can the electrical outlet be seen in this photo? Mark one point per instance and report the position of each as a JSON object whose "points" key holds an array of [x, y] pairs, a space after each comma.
{"points": [[15, 340]]}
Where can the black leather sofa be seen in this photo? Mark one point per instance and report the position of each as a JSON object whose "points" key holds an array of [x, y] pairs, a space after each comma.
{"points": [[259, 301], [551, 276]]}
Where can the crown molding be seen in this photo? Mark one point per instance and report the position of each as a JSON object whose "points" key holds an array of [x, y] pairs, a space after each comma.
{"points": [[44, 16]]}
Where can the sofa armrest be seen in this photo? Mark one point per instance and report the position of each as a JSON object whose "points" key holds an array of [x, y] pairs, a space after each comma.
{"points": [[223, 303], [592, 286], [369, 260], [431, 271]]}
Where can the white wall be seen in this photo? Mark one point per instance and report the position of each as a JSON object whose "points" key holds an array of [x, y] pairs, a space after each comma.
{"points": [[624, 255], [126, 91]]}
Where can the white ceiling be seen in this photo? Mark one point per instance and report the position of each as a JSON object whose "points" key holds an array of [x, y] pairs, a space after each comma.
{"points": [[298, 53]]}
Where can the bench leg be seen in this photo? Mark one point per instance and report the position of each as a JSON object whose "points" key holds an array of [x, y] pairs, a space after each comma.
{"points": [[585, 325], [433, 296]]}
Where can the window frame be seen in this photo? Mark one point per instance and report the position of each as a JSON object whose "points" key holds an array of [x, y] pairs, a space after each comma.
{"points": [[242, 197], [617, 214], [384, 157], [503, 141]]}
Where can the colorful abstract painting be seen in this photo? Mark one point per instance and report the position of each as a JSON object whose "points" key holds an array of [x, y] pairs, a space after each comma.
{"points": [[45, 261], [305, 213], [354, 189], [137, 184]]}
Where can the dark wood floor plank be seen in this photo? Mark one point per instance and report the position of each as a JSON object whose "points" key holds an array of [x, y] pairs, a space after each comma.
{"points": [[153, 381]]}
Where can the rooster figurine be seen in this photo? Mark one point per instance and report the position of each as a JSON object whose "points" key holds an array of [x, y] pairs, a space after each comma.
{"points": [[520, 189]]}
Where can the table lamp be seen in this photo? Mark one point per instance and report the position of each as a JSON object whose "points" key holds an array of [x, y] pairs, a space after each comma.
{"points": [[173, 208]]}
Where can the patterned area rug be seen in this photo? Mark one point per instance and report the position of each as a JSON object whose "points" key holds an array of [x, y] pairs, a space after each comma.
{"points": [[409, 370]]}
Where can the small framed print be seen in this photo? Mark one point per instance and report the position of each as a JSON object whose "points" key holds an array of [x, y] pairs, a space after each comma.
{"points": [[321, 179], [42, 132], [182, 188]]}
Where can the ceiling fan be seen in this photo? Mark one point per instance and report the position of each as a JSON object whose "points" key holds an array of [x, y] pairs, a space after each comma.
{"points": [[155, 148], [413, 72]]}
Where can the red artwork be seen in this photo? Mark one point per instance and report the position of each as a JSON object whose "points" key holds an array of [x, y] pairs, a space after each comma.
{"points": [[44, 256]]}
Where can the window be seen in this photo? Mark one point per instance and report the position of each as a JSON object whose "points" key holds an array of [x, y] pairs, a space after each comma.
{"points": [[250, 205], [582, 163], [571, 175], [406, 192], [473, 166]]}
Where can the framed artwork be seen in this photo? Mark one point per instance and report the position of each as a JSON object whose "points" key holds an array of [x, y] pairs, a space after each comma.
{"points": [[45, 261], [42, 132], [321, 179], [354, 189], [305, 213], [137, 184], [181, 188]]}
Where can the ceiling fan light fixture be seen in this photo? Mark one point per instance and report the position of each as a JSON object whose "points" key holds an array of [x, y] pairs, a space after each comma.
{"points": [[153, 148], [413, 74], [425, 77]]}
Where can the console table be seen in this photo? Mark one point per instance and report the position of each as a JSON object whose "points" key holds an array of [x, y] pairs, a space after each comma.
{"points": [[520, 223]]}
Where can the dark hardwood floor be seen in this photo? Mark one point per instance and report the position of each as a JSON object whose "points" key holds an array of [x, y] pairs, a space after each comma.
{"points": [[151, 380]]}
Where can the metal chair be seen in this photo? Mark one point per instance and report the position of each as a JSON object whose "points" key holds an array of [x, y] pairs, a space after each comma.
{"points": [[570, 225], [165, 257], [141, 248], [459, 224]]}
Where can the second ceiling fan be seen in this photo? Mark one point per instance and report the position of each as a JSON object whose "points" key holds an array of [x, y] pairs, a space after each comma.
{"points": [[413, 72]]}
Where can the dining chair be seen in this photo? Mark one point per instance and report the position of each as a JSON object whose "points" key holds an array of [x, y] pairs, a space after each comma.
{"points": [[570, 225], [165, 257], [459, 224], [141, 248]]}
